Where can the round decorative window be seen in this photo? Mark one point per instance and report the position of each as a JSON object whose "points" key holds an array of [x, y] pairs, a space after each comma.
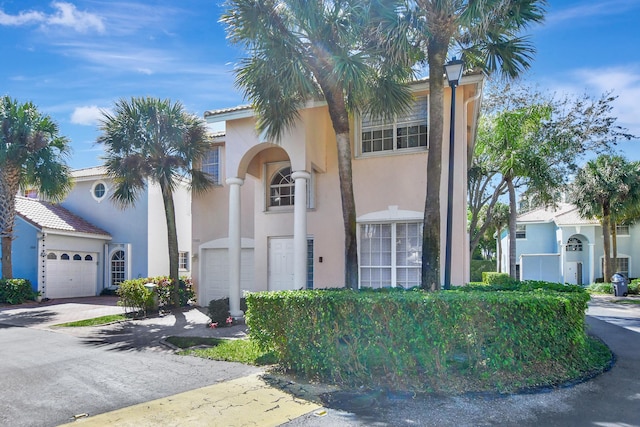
{"points": [[99, 190]]}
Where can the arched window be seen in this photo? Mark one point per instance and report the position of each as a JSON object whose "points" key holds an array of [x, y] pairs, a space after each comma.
{"points": [[88, 258], [64, 257], [574, 245], [77, 257], [52, 255], [117, 267], [281, 188]]}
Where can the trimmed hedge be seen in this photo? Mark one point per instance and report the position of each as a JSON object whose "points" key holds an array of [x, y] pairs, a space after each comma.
{"points": [[495, 278], [16, 291], [414, 340]]}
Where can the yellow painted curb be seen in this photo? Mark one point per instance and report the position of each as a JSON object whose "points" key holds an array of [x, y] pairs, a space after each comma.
{"points": [[241, 402]]}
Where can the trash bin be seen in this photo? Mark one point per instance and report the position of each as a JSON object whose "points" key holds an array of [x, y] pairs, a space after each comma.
{"points": [[620, 284]]}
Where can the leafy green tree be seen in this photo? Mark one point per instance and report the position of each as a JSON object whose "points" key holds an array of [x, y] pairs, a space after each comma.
{"points": [[602, 187], [32, 155], [488, 35], [355, 55], [148, 139], [530, 140]]}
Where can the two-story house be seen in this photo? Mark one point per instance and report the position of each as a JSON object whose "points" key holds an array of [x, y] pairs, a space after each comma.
{"points": [[275, 220]]}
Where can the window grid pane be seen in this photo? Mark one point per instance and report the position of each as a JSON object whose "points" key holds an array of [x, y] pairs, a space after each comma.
{"points": [[211, 164]]}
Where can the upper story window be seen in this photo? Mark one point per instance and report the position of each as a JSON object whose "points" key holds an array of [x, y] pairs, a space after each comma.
{"points": [[31, 193], [574, 244], [521, 231], [99, 190], [281, 188], [404, 133], [211, 164]]}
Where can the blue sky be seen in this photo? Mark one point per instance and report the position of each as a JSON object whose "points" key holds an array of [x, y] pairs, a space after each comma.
{"points": [[75, 57]]}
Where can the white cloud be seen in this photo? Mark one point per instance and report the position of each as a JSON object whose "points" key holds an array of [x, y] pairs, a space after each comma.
{"points": [[66, 15], [597, 9], [88, 115]]}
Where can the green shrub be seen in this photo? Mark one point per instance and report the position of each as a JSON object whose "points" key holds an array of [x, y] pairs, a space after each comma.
{"points": [[600, 288], [165, 290], [135, 296], [479, 266], [16, 291], [218, 310], [634, 287], [494, 278], [417, 340], [523, 286]]}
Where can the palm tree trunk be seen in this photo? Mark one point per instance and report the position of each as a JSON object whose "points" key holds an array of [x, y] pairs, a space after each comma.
{"points": [[437, 52], [340, 120], [513, 214], [606, 237], [172, 238], [9, 186]]}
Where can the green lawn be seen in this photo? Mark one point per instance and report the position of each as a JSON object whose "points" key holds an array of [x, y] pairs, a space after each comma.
{"points": [[237, 350], [96, 321]]}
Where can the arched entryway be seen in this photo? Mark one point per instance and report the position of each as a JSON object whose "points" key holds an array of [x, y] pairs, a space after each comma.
{"points": [[576, 260]]}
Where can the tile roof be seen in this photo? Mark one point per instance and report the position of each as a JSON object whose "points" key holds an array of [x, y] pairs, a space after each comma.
{"points": [[561, 214], [87, 172], [45, 215]]}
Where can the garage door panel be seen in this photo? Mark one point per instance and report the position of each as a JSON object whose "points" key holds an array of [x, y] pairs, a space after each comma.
{"points": [[214, 283], [71, 278]]}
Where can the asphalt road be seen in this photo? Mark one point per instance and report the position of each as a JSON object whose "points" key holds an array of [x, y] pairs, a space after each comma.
{"points": [[49, 377]]}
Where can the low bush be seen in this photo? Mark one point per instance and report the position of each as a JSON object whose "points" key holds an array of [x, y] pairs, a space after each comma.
{"points": [[634, 287], [161, 297], [16, 291], [479, 266], [494, 278], [135, 297], [450, 341], [600, 288], [218, 310]]}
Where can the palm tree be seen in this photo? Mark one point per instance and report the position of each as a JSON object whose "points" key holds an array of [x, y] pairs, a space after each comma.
{"points": [[601, 187], [486, 32], [355, 55], [148, 139], [32, 155]]}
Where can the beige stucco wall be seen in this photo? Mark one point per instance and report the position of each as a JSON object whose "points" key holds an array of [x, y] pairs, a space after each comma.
{"points": [[379, 182]]}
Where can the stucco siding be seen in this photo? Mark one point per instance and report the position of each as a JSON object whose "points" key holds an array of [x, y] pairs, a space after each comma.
{"points": [[25, 252]]}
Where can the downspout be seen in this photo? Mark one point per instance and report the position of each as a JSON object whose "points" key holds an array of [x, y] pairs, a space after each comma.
{"points": [[477, 114], [42, 266]]}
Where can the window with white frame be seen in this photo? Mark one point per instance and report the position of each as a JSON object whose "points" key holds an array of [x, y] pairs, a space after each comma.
{"points": [[211, 164], [406, 132], [621, 266], [574, 245], [183, 260], [622, 230], [390, 254], [281, 188], [521, 231]]}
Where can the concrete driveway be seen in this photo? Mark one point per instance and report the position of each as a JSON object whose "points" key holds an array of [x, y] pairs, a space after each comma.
{"points": [[124, 369]]}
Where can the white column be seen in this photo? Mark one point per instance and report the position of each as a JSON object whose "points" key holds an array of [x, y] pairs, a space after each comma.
{"points": [[234, 246], [563, 262], [300, 229], [592, 263]]}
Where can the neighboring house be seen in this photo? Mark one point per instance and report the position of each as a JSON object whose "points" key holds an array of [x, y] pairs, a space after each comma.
{"points": [[113, 244], [275, 219], [556, 244], [59, 252], [138, 247]]}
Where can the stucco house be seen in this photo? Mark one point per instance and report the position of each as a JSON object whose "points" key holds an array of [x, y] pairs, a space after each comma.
{"points": [[59, 252], [138, 245], [87, 243], [556, 244], [275, 219]]}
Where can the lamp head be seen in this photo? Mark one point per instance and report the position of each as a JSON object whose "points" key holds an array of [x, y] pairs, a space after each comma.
{"points": [[453, 70]]}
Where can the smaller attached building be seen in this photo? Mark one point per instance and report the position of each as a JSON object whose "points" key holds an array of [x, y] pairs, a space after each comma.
{"points": [[59, 252]]}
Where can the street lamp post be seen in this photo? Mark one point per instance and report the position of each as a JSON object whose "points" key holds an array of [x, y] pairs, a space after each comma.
{"points": [[453, 70]]}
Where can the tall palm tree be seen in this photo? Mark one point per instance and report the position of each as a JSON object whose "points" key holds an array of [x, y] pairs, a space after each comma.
{"points": [[487, 34], [148, 139], [600, 187], [355, 55], [32, 154]]}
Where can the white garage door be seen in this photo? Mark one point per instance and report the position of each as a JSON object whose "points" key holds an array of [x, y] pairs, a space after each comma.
{"points": [[71, 274], [215, 274]]}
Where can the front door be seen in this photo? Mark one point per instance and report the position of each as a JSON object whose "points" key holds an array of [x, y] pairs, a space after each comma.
{"points": [[280, 264], [574, 273]]}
